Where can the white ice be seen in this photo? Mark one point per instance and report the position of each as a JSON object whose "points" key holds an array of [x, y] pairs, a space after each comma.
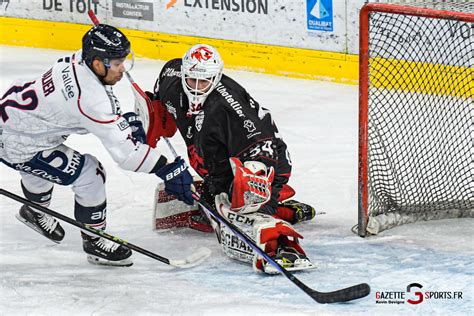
{"points": [[318, 120]]}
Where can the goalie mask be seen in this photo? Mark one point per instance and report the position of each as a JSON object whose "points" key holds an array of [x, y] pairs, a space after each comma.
{"points": [[201, 71]]}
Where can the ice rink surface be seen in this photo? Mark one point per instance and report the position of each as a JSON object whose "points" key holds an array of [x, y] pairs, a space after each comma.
{"points": [[318, 121]]}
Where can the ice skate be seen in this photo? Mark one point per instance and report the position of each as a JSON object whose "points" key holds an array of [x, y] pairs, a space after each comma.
{"points": [[290, 259], [303, 212], [105, 252], [44, 224]]}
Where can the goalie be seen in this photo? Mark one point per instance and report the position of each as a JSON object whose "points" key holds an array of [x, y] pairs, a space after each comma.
{"points": [[234, 145]]}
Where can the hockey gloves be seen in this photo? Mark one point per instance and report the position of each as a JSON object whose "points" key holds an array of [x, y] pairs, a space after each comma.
{"points": [[177, 180], [135, 123], [252, 185]]}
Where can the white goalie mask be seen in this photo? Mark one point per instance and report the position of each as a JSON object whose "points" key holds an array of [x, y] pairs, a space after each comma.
{"points": [[201, 71]]}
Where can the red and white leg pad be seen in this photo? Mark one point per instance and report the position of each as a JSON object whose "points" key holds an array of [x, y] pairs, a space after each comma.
{"points": [[277, 237], [171, 213]]}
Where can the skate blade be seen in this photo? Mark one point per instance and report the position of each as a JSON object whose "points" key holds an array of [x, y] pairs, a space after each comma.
{"points": [[299, 266], [104, 262], [36, 229]]}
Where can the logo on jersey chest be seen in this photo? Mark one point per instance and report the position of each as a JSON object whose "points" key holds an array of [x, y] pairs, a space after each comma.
{"points": [[249, 125], [171, 109], [68, 91], [199, 120], [189, 134], [123, 125], [230, 99], [171, 72], [114, 102]]}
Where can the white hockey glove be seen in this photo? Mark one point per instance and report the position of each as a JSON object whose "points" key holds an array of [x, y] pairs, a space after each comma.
{"points": [[276, 237], [252, 185]]}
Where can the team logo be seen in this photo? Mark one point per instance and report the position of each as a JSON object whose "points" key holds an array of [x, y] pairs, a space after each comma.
{"points": [[190, 132], [171, 109], [123, 125], [249, 125], [199, 121], [202, 53]]}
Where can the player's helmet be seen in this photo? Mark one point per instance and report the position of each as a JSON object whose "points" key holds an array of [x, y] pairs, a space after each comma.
{"points": [[104, 42], [202, 63]]}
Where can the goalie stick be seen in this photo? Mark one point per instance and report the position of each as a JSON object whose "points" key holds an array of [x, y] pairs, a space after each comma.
{"points": [[191, 261], [342, 295]]}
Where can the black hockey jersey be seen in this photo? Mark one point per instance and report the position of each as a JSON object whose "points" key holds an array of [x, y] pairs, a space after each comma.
{"points": [[231, 124]]}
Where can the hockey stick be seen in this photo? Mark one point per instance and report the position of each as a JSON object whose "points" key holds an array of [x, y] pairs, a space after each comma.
{"points": [[188, 262], [343, 295]]}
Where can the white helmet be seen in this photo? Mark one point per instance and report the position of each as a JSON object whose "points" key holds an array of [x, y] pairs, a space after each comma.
{"points": [[203, 64]]}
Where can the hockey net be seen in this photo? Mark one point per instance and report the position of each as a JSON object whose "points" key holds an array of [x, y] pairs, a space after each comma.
{"points": [[416, 114]]}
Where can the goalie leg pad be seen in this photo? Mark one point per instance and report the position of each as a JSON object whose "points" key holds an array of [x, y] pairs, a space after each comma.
{"points": [[276, 237], [170, 213]]}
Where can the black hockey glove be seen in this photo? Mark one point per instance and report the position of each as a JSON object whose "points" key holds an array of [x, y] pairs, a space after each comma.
{"points": [[178, 180], [135, 123]]}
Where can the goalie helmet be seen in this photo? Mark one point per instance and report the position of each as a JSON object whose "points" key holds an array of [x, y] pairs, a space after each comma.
{"points": [[201, 71], [104, 42]]}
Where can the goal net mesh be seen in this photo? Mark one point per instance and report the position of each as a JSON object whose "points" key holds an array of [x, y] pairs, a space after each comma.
{"points": [[420, 117]]}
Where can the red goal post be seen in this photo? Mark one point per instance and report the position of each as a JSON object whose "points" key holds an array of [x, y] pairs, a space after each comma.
{"points": [[401, 75]]}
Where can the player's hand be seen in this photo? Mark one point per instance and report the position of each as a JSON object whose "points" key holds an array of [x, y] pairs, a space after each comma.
{"points": [[135, 123], [178, 180]]}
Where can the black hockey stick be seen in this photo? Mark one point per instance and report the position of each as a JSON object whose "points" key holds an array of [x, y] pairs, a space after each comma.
{"points": [[343, 295], [192, 260]]}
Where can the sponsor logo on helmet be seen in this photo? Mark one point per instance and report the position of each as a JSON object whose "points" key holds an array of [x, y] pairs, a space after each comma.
{"points": [[106, 39], [195, 69], [202, 54]]}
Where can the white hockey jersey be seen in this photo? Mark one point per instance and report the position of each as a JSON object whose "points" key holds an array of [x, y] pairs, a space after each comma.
{"points": [[67, 99]]}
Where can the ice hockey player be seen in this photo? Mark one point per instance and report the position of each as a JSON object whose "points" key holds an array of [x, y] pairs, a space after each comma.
{"points": [[75, 97], [234, 145]]}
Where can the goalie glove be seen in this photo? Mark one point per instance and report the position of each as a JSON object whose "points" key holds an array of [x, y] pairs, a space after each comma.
{"points": [[252, 185], [276, 237], [157, 121]]}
